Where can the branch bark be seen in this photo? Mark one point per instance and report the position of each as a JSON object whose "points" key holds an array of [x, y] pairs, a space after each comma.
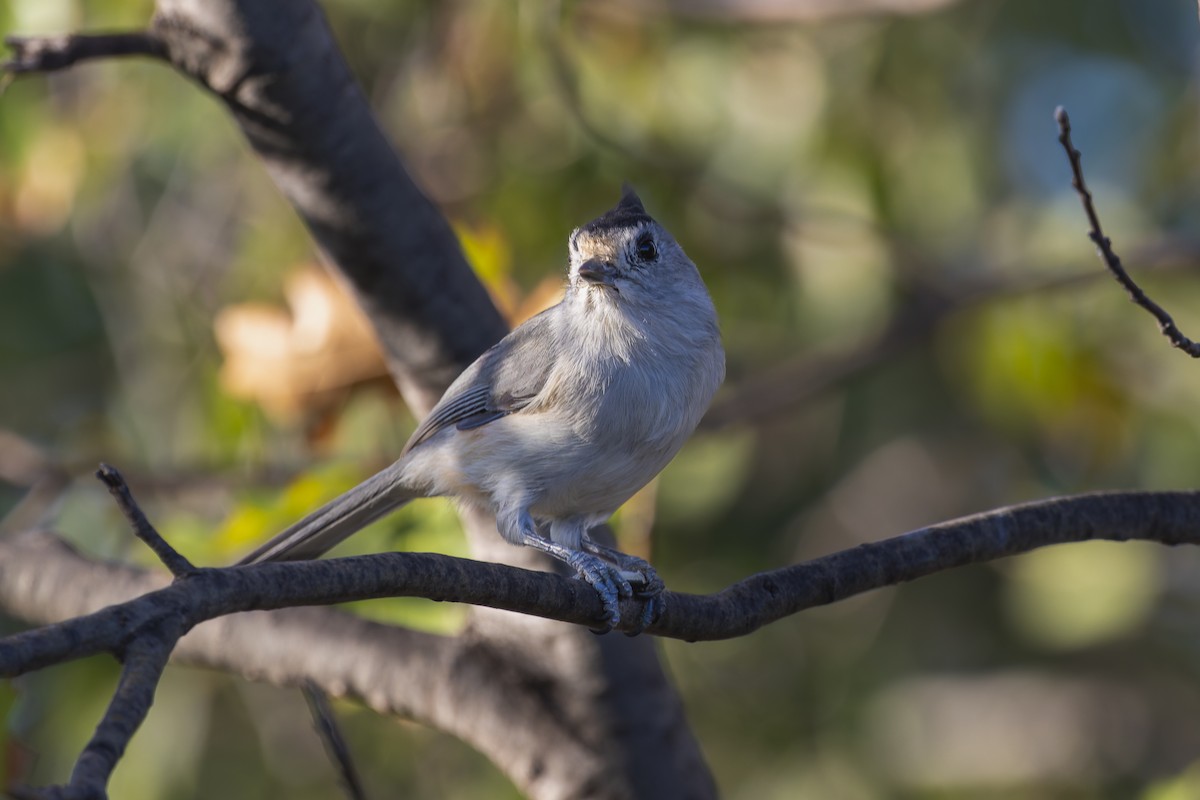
{"points": [[561, 712], [276, 67], [458, 683], [280, 74], [49, 53]]}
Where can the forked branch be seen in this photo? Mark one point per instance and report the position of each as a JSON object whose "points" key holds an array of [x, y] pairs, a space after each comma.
{"points": [[145, 629]]}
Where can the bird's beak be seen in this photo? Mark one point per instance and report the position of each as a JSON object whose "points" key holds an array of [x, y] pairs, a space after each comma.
{"points": [[599, 272]]}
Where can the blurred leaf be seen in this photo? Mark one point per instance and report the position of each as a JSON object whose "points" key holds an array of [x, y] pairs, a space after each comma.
{"points": [[1032, 371], [1185, 786], [704, 478], [426, 526], [300, 359], [254, 520], [1079, 595], [486, 248], [489, 253]]}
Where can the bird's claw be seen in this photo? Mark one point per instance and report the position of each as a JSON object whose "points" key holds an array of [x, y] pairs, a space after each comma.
{"points": [[608, 582], [644, 580], [613, 575], [648, 588]]}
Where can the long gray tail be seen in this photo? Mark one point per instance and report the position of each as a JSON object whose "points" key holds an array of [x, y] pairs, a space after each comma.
{"points": [[337, 520]]}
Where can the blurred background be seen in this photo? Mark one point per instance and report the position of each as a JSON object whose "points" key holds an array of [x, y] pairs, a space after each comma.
{"points": [[916, 324]]}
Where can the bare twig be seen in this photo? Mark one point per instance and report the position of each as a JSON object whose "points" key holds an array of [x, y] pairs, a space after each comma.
{"points": [[52, 53], [335, 743], [1104, 245], [145, 660], [169, 556], [318, 704]]}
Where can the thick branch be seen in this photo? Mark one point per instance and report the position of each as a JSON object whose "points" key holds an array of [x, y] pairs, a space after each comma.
{"points": [[282, 77], [1167, 517], [152, 622], [275, 65], [461, 685]]}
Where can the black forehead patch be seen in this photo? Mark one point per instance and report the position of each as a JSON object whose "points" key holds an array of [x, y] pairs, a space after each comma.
{"points": [[628, 213]]}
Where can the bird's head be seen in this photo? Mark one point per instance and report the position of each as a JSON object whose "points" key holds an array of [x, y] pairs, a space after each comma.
{"points": [[625, 257]]}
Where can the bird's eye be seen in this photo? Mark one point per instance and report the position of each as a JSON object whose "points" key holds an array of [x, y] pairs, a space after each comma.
{"points": [[646, 251]]}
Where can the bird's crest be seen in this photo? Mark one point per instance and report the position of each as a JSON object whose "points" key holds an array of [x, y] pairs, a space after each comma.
{"points": [[627, 213]]}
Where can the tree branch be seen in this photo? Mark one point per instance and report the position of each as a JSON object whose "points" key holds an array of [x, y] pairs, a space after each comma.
{"points": [[170, 558], [145, 659], [52, 53], [1170, 518], [335, 742], [280, 73], [617, 723], [1104, 245], [782, 387], [466, 685], [145, 629]]}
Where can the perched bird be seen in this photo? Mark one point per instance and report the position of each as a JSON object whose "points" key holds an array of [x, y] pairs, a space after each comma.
{"points": [[565, 418]]}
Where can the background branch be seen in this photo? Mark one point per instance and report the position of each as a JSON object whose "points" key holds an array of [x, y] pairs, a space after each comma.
{"points": [[308, 122], [52, 53]]}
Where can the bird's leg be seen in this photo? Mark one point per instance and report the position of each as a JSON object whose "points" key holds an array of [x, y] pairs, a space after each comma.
{"points": [[636, 570], [517, 526], [607, 579], [639, 573]]}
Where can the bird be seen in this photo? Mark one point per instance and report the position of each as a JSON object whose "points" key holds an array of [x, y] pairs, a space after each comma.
{"points": [[559, 423]]}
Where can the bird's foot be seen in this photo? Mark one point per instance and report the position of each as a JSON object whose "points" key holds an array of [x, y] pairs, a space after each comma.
{"points": [[643, 579], [605, 577], [608, 581]]}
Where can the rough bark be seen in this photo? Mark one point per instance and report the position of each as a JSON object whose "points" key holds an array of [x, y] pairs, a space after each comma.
{"points": [[277, 68]]}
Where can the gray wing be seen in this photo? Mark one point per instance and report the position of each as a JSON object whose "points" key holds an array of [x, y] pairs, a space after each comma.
{"points": [[503, 380]]}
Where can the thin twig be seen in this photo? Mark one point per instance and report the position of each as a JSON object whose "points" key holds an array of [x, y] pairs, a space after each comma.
{"points": [[335, 742], [52, 53], [1104, 244], [169, 556], [145, 660]]}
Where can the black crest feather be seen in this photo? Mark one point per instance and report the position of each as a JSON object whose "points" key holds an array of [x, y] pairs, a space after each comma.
{"points": [[627, 213]]}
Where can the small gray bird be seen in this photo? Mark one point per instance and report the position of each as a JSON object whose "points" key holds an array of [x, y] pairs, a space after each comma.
{"points": [[564, 419]]}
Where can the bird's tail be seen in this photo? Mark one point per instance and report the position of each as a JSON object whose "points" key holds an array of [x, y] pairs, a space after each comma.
{"points": [[338, 519]]}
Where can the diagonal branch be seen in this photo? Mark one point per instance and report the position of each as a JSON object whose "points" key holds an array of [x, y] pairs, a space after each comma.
{"points": [[278, 71], [334, 741], [52, 53], [1104, 245], [169, 556], [145, 661]]}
